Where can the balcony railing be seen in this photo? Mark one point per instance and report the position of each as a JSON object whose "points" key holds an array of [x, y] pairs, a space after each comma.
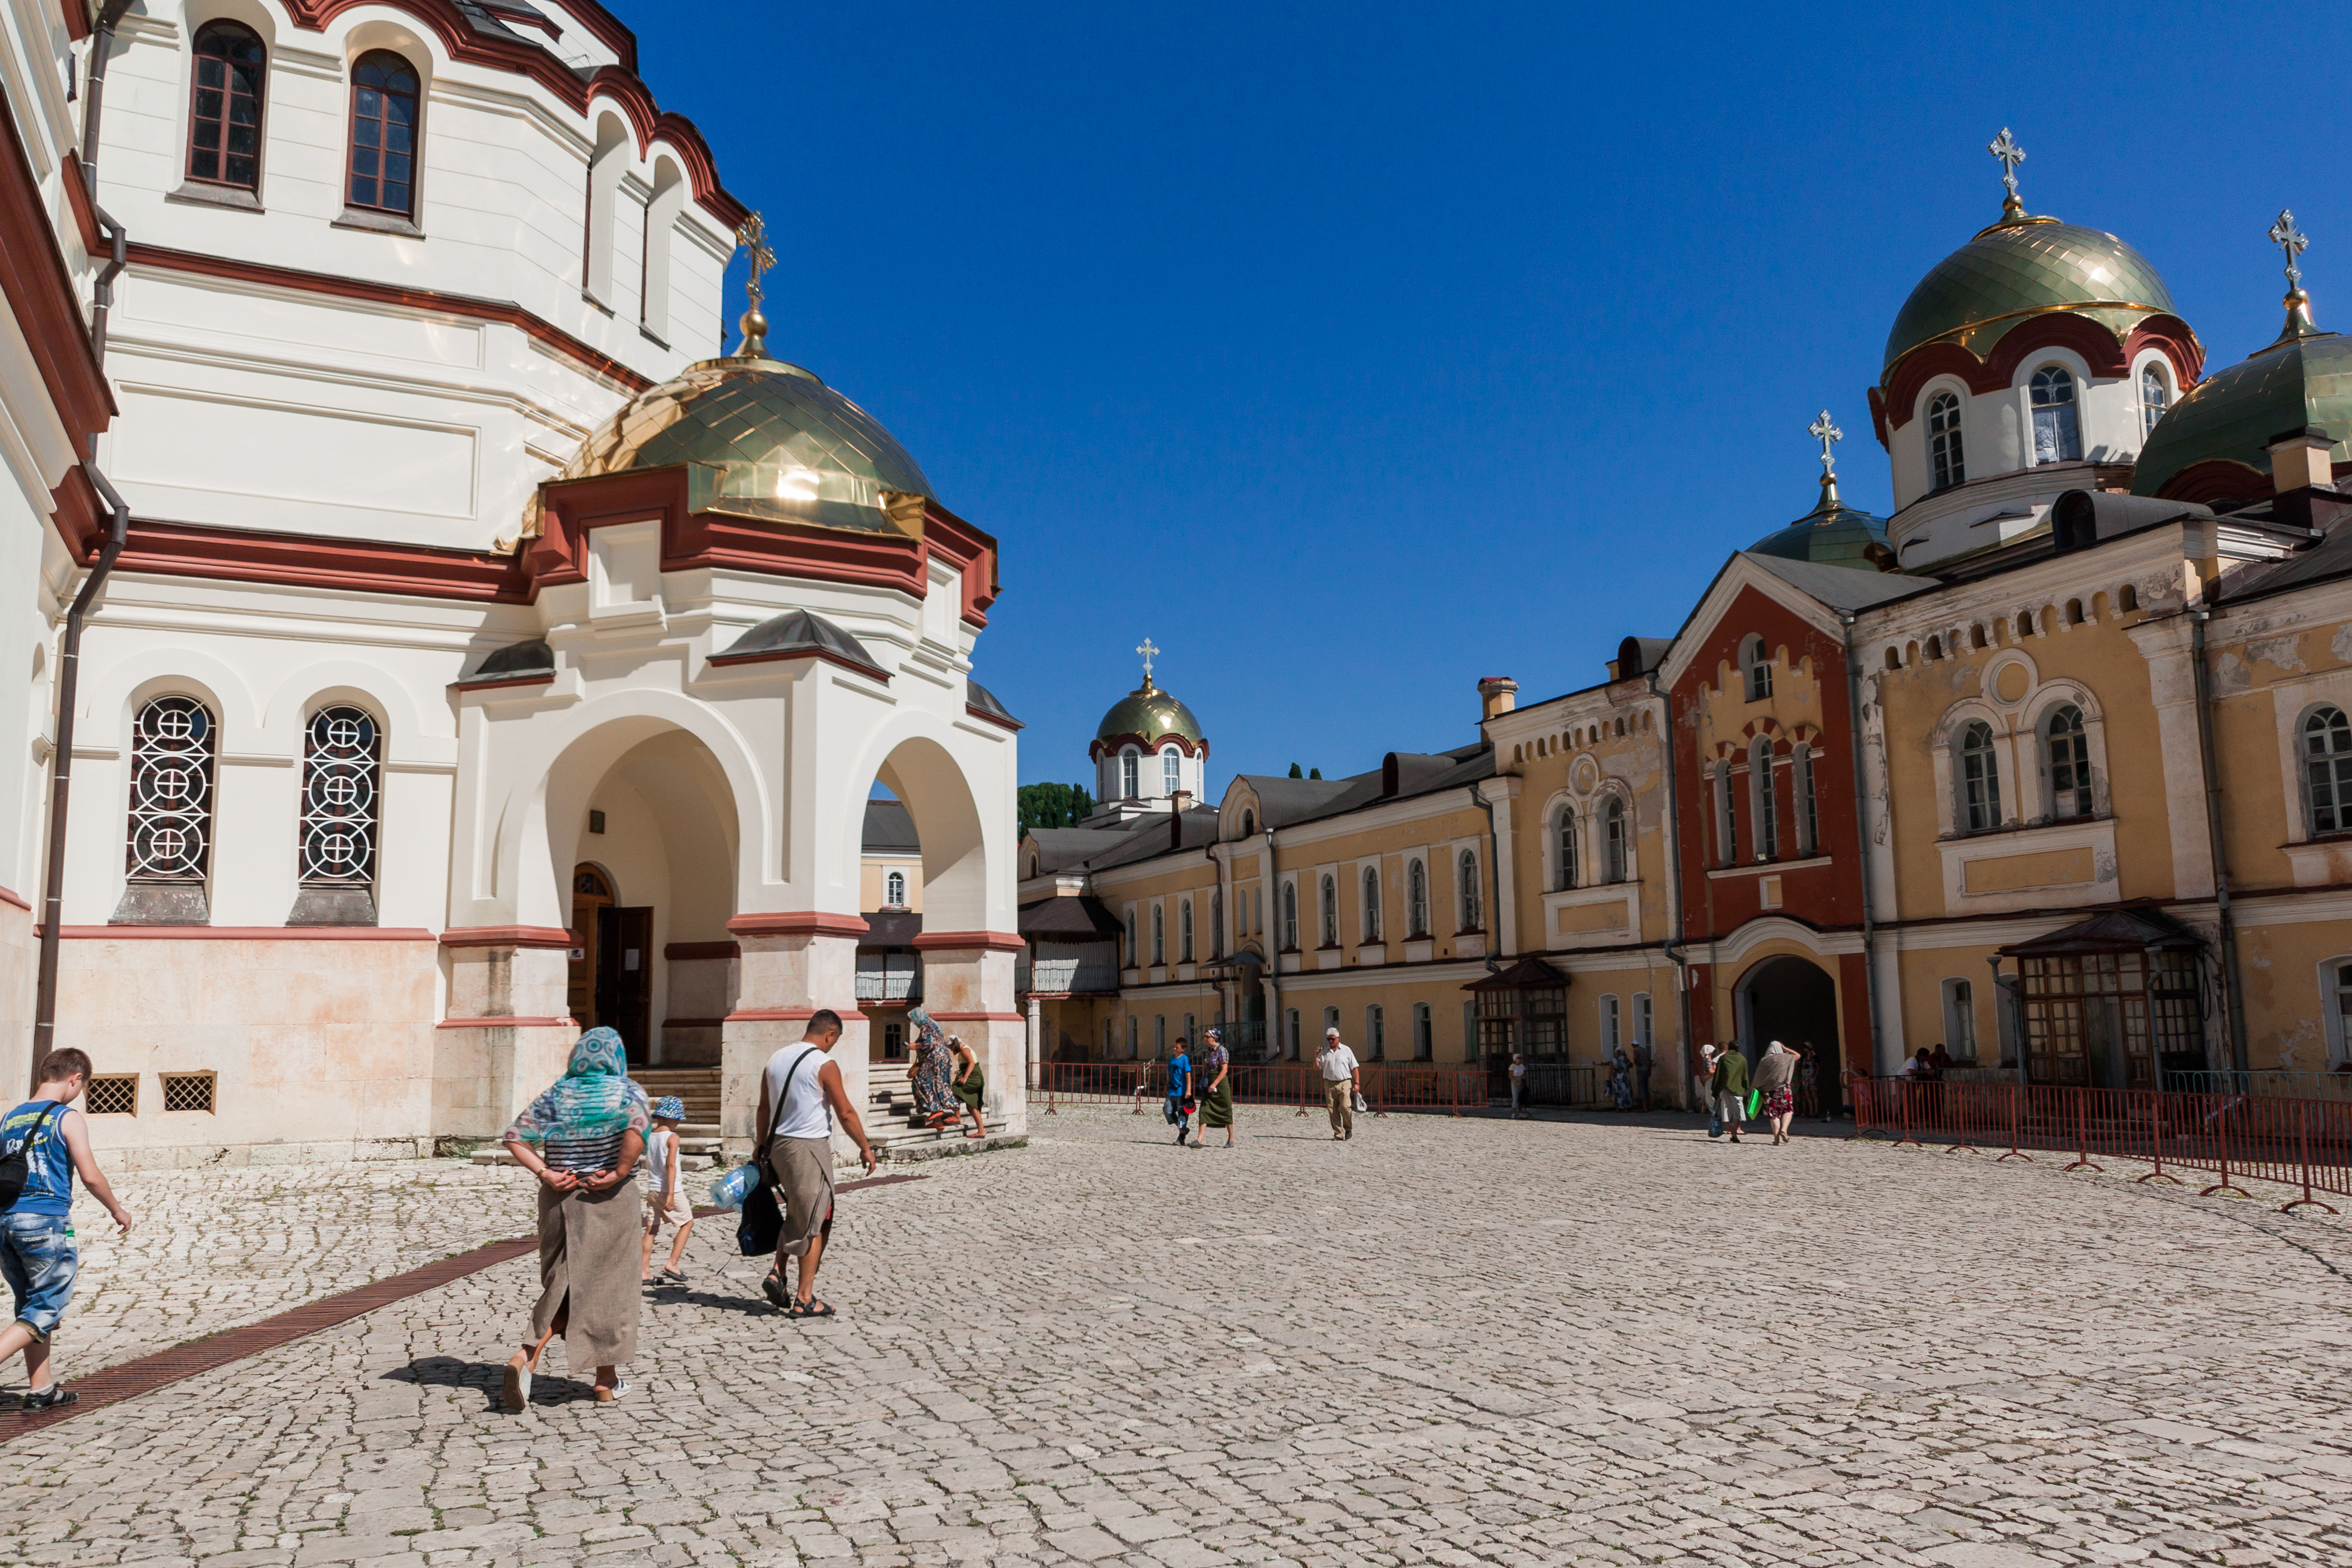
{"points": [[1053, 975], [889, 977]]}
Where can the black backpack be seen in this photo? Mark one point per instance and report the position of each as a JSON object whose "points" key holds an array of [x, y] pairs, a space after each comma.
{"points": [[16, 1162]]}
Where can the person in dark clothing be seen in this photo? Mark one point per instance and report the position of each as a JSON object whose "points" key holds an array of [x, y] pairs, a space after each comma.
{"points": [[1730, 1087]]}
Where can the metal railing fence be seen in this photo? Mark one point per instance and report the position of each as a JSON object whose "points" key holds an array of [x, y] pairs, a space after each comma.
{"points": [[2234, 1137], [1385, 1087]]}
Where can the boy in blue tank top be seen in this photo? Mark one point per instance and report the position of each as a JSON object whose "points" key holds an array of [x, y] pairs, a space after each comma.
{"points": [[38, 1256]]}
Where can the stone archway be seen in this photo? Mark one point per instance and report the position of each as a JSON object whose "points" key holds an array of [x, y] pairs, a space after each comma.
{"points": [[1793, 1000]]}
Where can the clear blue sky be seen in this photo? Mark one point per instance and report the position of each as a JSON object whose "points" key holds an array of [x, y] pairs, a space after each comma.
{"points": [[1354, 353]]}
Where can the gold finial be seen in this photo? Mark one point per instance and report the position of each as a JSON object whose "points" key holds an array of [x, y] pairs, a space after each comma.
{"points": [[753, 237], [2292, 241], [1824, 432], [2006, 151]]}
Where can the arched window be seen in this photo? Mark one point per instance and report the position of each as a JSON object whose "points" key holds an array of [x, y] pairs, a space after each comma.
{"points": [[2155, 396], [1249, 823], [1159, 933], [1372, 903], [225, 89], [2069, 762], [1424, 1038], [1290, 917], [1184, 931], [1727, 821], [1564, 836], [1416, 885], [2057, 426], [1615, 854], [1979, 780], [2128, 597], [894, 891], [1131, 774], [342, 794], [2327, 770], [1171, 771], [1471, 915], [1944, 454], [1756, 660], [171, 750], [1760, 798], [1134, 954], [1217, 923], [383, 134], [1331, 913]]}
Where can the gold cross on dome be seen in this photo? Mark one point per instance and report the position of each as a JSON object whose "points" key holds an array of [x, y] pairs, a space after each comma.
{"points": [[753, 237], [2291, 240], [1148, 653], [2004, 147], [1824, 432]]}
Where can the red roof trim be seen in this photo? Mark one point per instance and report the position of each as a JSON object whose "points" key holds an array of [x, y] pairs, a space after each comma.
{"points": [[508, 936], [990, 940], [40, 289], [798, 922]]}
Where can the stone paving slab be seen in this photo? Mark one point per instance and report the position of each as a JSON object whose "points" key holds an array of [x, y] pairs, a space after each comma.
{"points": [[1451, 1341]]}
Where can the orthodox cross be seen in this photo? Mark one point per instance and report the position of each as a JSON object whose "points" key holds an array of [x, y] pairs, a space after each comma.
{"points": [[2289, 238], [1148, 653], [753, 237], [1824, 432], [2004, 147]]}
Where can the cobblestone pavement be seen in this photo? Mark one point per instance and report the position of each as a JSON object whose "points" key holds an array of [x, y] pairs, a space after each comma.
{"points": [[1446, 1342]]}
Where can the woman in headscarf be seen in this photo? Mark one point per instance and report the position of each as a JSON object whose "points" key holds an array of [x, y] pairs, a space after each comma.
{"points": [[590, 1130], [1620, 1080], [971, 1085], [1214, 1073], [933, 1077]]}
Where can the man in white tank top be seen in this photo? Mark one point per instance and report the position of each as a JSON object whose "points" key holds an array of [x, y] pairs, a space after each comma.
{"points": [[800, 1094]]}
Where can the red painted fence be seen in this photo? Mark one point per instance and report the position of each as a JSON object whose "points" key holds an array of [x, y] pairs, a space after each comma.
{"points": [[2302, 1143], [1386, 1086]]}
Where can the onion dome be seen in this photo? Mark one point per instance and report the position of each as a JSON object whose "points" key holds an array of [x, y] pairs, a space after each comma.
{"points": [[2022, 267], [1833, 533], [1150, 716]]}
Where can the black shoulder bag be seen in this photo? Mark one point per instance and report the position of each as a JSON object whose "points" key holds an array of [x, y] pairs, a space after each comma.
{"points": [[762, 1225], [16, 1162]]}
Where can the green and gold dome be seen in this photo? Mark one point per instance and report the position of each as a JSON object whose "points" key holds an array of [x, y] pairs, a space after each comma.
{"points": [[2022, 267], [1833, 533], [760, 438], [1150, 716], [2215, 441]]}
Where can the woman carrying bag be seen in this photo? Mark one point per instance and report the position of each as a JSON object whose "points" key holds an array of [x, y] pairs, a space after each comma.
{"points": [[590, 1127]]}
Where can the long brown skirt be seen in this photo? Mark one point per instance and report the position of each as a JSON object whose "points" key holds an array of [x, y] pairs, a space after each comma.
{"points": [[588, 1262]]}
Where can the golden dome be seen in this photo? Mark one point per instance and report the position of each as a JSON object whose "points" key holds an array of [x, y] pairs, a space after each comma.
{"points": [[764, 439]]}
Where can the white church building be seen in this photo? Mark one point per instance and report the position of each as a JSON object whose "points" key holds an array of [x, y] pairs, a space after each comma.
{"points": [[486, 653]]}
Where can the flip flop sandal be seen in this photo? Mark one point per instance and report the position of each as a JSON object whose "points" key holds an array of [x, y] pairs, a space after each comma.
{"points": [[53, 1398], [518, 1389], [774, 1288], [672, 1277]]}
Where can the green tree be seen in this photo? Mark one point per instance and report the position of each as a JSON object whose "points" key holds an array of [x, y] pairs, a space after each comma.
{"points": [[1311, 773], [1294, 773], [1053, 806]]}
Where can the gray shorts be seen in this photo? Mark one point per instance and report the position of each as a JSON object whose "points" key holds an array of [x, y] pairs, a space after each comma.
{"points": [[803, 1170]]}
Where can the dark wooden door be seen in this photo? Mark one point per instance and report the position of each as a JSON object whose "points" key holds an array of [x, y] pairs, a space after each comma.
{"points": [[592, 896], [625, 977]]}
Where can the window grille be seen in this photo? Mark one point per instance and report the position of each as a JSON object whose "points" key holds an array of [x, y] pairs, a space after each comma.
{"points": [[383, 133], [340, 796], [1979, 780], [2057, 426], [225, 89], [113, 1095], [171, 791], [2088, 1017], [2327, 770], [2069, 763], [1944, 441], [188, 1091]]}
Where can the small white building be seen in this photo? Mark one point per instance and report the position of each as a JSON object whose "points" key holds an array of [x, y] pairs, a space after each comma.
{"points": [[489, 656]]}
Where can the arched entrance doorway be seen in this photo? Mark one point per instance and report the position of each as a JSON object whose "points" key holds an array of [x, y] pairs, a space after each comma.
{"points": [[1793, 1000], [609, 981]]}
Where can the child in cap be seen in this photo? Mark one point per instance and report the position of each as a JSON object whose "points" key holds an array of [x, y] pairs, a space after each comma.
{"points": [[665, 1194]]}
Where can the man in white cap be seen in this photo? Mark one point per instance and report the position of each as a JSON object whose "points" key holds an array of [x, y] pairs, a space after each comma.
{"points": [[1339, 1069]]}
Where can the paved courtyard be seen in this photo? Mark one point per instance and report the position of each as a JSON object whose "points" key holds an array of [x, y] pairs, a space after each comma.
{"points": [[1446, 1342]]}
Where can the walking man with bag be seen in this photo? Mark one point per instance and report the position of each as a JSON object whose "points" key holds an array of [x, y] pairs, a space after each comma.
{"points": [[800, 1094], [1338, 1064]]}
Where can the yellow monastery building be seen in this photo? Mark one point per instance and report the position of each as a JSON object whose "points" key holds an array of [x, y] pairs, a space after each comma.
{"points": [[2051, 768]]}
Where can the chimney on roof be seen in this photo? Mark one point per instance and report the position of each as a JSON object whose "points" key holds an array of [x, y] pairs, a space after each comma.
{"points": [[2299, 459], [1176, 801], [1498, 694]]}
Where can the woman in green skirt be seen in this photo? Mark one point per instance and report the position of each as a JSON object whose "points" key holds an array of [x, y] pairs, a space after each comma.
{"points": [[1214, 1072], [970, 1084]]}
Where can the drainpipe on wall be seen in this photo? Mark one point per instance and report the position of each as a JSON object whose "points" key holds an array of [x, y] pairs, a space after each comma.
{"points": [[1274, 955], [1675, 946], [53, 877], [1861, 837], [1494, 877], [2235, 1016]]}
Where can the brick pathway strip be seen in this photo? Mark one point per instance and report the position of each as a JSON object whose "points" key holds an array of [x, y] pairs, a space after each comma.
{"points": [[146, 1374]]}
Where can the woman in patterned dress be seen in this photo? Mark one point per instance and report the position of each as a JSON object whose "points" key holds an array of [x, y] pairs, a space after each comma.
{"points": [[933, 1078]]}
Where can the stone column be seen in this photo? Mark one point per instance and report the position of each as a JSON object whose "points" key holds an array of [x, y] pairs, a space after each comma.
{"points": [[793, 965], [1037, 1036], [506, 1034], [968, 989]]}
